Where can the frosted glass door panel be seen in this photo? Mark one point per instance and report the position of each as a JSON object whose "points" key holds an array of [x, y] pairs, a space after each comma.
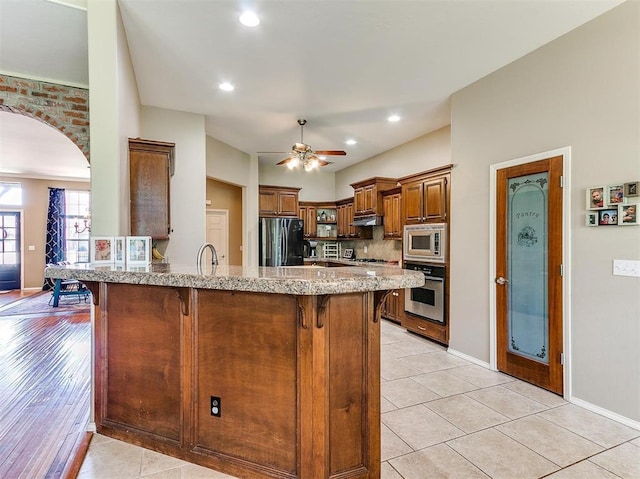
{"points": [[527, 303]]}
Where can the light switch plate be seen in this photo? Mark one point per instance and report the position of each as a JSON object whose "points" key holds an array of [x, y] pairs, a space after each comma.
{"points": [[623, 267]]}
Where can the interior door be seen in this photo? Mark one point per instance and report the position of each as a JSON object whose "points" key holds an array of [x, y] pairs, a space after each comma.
{"points": [[218, 234], [529, 272], [10, 248]]}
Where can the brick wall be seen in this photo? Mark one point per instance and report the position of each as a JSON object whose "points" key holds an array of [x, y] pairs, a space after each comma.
{"points": [[62, 107]]}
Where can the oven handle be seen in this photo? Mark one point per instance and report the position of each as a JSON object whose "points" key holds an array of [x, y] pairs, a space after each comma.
{"points": [[433, 278]]}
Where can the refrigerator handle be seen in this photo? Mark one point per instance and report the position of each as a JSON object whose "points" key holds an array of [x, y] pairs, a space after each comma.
{"points": [[285, 240]]}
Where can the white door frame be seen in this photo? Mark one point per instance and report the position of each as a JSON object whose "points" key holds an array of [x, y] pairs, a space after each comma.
{"points": [[221, 212], [565, 152]]}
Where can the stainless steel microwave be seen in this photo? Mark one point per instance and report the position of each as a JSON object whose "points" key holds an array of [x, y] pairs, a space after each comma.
{"points": [[425, 243]]}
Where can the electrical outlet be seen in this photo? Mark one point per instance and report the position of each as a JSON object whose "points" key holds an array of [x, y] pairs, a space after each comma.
{"points": [[365, 249], [626, 268], [216, 408]]}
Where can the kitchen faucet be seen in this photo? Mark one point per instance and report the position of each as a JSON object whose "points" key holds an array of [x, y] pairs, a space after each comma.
{"points": [[214, 256]]}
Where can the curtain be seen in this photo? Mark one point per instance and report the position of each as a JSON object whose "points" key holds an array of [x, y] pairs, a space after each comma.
{"points": [[56, 235]]}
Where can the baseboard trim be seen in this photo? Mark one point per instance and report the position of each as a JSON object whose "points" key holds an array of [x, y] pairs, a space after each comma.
{"points": [[471, 359], [605, 412]]}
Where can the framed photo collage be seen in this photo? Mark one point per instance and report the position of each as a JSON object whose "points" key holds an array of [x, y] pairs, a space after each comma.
{"points": [[130, 250], [613, 205]]}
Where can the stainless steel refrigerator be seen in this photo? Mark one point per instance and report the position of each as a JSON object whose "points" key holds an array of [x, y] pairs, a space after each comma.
{"points": [[281, 241]]}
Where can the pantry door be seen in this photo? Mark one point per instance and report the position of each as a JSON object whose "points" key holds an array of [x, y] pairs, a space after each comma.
{"points": [[528, 280]]}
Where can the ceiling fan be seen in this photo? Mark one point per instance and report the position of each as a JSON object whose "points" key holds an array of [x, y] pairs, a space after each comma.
{"points": [[302, 155]]}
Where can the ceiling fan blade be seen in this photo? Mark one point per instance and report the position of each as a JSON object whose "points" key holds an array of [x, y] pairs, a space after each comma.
{"points": [[284, 162], [324, 163], [330, 152]]}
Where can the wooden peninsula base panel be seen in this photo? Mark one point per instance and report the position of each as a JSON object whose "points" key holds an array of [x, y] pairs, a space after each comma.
{"points": [[256, 385]]}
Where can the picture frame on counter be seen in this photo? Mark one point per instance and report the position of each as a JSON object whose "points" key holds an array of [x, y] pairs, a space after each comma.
{"points": [[119, 249], [138, 250], [101, 249], [628, 214], [592, 219], [615, 194], [631, 189], [595, 197], [608, 217]]}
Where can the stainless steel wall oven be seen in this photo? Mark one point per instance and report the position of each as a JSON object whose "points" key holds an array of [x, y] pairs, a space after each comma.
{"points": [[427, 301]]}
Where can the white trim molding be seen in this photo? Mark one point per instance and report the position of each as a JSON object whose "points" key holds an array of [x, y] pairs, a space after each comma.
{"points": [[606, 413]]}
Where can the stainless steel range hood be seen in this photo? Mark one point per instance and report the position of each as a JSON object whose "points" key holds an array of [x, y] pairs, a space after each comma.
{"points": [[372, 220]]}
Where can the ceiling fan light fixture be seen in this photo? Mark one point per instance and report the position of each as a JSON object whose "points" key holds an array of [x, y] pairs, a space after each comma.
{"points": [[249, 19]]}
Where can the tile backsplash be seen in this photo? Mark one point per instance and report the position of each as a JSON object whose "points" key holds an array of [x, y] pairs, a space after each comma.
{"points": [[377, 248]]}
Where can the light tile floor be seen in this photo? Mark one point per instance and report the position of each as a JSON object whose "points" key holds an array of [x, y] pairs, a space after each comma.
{"points": [[443, 417]]}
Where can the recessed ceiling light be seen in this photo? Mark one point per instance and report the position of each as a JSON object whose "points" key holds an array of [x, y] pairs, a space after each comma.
{"points": [[351, 142], [322, 157], [249, 19], [226, 86], [393, 118]]}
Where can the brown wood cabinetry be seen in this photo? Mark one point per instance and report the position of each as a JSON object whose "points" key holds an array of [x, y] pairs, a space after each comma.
{"points": [[367, 195], [278, 201], [150, 168], [393, 307], [392, 201], [425, 197], [308, 214], [297, 378]]}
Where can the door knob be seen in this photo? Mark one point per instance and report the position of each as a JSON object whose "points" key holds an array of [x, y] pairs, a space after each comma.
{"points": [[501, 280]]}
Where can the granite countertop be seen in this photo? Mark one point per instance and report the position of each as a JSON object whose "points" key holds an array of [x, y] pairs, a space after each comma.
{"points": [[283, 280]]}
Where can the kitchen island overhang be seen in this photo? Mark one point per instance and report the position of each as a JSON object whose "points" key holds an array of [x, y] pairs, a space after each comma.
{"points": [[256, 372]]}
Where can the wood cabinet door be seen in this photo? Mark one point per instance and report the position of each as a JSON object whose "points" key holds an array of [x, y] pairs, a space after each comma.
{"points": [[149, 176], [388, 213], [310, 222], [392, 227], [353, 231], [343, 223], [434, 200], [370, 199], [268, 200], [412, 199], [287, 203], [358, 201]]}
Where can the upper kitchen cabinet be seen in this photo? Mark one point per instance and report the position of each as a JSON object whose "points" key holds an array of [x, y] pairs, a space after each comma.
{"points": [[425, 196], [367, 195], [278, 201], [307, 213], [392, 201], [150, 169]]}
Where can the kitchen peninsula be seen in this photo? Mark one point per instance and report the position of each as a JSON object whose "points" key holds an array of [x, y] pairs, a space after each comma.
{"points": [[256, 372]]}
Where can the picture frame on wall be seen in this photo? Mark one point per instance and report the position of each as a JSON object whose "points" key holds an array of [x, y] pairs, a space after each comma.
{"points": [[101, 249], [615, 194], [119, 250], [631, 189], [592, 219], [138, 250], [628, 214], [608, 217], [595, 197]]}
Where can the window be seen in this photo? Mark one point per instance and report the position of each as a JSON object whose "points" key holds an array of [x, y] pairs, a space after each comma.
{"points": [[77, 225], [10, 194]]}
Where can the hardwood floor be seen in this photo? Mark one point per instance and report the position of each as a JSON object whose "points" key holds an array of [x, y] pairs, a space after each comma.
{"points": [[45, 362]]}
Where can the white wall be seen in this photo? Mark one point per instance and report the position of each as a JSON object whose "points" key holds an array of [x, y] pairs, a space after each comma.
{"points": [[423, 153], [228, 164], [318, 185], [581, 90], [188, 184]]}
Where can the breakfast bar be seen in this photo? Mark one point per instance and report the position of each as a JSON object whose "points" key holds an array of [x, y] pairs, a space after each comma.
{"points": [[256, 372]]}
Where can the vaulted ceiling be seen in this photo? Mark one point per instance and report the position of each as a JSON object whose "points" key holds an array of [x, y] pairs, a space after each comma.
{"points": [[344, 66]]}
